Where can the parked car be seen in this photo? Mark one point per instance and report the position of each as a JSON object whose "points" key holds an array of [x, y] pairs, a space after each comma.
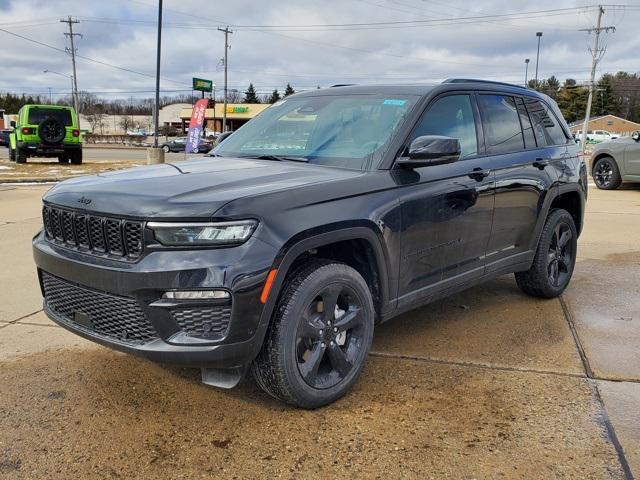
{"points": [[219, 139], [4, 138], [179, 145], [46, 131], [596, 136], [614, 163], [280, 257]]}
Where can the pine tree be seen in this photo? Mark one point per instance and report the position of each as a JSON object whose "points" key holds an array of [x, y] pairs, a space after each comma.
{"points": [[250, 95], [275, 96], [289, 90]]}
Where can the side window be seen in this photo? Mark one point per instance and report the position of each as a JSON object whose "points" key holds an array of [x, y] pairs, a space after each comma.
{"points": [[545, 125], [527, 128], [451, 116], [502, 124]]}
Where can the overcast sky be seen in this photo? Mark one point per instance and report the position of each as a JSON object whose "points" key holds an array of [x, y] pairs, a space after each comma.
{"points": [[122, 33]]}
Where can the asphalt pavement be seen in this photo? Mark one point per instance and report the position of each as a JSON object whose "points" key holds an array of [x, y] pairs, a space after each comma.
{"points": [[486, 384]]}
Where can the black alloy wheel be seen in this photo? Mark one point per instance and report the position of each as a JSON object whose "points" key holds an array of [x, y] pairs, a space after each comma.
{"points": [[51, 131], [606, 174], [330, 337], [560, 256]]}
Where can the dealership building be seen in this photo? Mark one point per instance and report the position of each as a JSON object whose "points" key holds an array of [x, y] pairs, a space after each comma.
{"points": [[237, 115]]}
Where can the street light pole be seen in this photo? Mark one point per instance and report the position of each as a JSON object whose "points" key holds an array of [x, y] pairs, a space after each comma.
{"points": [[526, 70], [226, 63], [156, 127], [539, 35]]}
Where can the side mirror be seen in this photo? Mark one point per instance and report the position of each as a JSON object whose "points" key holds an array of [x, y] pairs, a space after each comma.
{"points": [[431, 150], [636, 135], [12, 123]]}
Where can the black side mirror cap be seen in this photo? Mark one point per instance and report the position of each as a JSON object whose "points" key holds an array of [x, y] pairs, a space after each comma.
{"points": [[431, 150]]}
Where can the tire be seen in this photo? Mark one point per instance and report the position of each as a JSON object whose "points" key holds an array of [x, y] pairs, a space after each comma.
{"points": [[76, 157], [310, 356], [606, 174], [12, 155], [21, 155], [166, 149], [554, 260], [51, 131], [63, 158]]}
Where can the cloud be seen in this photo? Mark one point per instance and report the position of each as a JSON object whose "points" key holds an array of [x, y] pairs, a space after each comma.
{"points": [[123, 33]]}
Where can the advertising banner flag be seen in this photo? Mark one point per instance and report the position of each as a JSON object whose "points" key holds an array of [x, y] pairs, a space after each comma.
{"points": [[195, 125]]}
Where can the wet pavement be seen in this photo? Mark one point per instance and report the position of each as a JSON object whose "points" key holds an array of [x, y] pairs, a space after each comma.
{"points": [[486, 384]]}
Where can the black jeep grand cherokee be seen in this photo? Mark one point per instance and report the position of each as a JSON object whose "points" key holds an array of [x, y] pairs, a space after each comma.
{"points": [[331, 211]]}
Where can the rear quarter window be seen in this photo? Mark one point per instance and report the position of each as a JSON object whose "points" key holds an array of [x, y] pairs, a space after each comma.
{"points": [[546, 126], [37, 115]]}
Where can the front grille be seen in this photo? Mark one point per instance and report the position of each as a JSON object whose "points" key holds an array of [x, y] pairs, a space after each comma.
{"points": [[93, 234], [210, 322], [112, 316]]}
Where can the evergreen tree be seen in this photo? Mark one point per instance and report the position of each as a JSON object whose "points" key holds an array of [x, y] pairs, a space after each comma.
{"points": [[250, 95], [275, 96], [289, 90]]}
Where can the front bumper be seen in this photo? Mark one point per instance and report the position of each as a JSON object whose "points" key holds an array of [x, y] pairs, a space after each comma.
{"points": [[240, 270]]}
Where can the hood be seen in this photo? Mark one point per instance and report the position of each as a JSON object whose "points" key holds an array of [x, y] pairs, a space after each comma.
{"points": [[188, 189]]}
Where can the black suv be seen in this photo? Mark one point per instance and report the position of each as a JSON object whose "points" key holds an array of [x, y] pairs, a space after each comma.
{"points": [[330, 212]]}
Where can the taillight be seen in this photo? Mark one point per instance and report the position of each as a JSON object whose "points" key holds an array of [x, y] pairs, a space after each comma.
{"points": [[26, 130], [76, 133]]}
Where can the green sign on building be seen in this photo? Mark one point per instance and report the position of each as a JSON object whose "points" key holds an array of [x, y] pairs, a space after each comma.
{"points": [[202, 85]]}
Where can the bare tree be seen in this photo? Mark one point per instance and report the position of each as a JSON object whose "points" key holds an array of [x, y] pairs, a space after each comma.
{"points": [[96, 120], [126, 123]]}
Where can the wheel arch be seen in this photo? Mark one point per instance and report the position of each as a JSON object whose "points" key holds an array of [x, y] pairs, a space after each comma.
{"points": [[602, 154], [571, 200]]}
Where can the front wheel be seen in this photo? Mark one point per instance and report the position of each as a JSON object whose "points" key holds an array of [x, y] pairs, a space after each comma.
{"points": [[166, 149], [21, 155], [555, 258], [319, 338]]}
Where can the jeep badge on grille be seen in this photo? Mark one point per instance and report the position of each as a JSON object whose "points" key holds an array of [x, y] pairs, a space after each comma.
{"points": [[84, 200]]}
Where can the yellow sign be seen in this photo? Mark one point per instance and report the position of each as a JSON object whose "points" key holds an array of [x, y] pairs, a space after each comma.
{"points": [[237, 109]]}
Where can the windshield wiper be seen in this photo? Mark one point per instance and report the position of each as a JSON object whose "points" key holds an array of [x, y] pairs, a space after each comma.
{"points": [[281, 158]]}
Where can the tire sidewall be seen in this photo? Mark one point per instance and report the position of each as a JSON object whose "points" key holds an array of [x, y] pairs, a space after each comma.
{"points": [[556, 217], [290, 316]]}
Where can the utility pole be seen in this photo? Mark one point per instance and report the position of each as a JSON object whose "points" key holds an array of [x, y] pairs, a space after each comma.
{"points": [[596, 55], [72, 51], [539, 35], [226, 63], [156, 112], [526, 71]]}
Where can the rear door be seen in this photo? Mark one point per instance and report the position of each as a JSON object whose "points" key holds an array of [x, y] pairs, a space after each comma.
{"points": [[446, 209], [632, 159], [524, 175]]}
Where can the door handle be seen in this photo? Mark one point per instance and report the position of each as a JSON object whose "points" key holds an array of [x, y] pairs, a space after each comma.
{"points": [[541, 163], [479, 173]]}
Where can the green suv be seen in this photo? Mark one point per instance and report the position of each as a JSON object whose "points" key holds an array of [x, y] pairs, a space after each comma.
{"points": [[46, 131]]}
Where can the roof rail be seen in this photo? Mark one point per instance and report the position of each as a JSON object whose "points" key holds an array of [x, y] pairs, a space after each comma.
{"points": [[475, 80], [342, 85]]}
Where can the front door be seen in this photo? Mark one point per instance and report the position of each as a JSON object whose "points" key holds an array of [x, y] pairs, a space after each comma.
{"points": [[446, 209]]}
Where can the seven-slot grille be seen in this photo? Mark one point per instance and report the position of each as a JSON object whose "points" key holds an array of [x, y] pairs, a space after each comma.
{"points": [[93, 233], [109, 315]]}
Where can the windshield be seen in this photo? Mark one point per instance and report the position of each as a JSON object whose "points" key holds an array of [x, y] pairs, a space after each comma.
{"points": [[37, 115], [339, 130]]}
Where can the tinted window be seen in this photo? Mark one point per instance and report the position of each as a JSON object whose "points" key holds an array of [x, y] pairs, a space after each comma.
{"points": [[501, 123], [451, 116], [37, 115], [527, 129], [545, 125]]}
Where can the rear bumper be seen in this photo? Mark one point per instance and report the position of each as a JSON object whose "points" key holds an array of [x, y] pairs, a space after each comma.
{"points": [[240, 270], [35, 148]]}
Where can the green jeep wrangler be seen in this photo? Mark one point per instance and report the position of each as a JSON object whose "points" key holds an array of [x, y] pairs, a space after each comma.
{"points": [[46, 131]]}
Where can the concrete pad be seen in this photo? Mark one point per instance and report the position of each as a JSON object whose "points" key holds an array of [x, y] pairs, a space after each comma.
{"points": [[20, 203], [20, 293], [17, 340], [604, 300], [39, 318], [492, 324], [622, 401], [98, 413]]}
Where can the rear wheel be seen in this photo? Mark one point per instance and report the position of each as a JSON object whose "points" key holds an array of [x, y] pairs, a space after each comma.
{"points": [[319, 338], [63, 158], [76, 157], [21, 155], [555, 258], [166, 149], [12, 155], [606, 174]]}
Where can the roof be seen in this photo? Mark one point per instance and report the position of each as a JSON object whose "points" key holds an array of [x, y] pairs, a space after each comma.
{"points": [[579, 123]]}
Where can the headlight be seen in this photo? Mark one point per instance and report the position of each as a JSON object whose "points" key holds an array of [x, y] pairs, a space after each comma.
{"points": [[219, 233]]}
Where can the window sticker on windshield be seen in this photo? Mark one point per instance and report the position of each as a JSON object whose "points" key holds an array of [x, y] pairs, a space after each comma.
{"points": [[394, 102]]}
